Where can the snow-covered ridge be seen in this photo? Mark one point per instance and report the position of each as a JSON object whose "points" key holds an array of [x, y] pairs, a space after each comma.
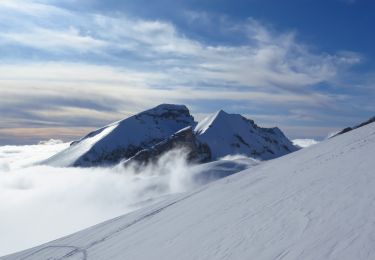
{"points": [[225, 134], [69, 156], [316, 203], [234, 134], [348, 129], [123, 139]]}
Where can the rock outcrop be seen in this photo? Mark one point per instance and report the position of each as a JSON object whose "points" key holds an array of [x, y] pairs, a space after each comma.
{"points": [[197, 151]]}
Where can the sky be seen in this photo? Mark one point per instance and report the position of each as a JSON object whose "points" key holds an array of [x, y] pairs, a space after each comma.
{"points": [[69, 66]]}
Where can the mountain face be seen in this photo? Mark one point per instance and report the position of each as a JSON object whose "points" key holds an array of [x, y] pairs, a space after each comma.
{"points": [[316, 203], [147, 135], [125, 138], [348, 129], [184, 139], [234, 134]]}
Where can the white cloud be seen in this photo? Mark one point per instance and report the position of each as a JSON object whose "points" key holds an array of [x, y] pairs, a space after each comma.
{"points": [[57, 93], [105, 193], [303, 143], [146, 62], [31, 8], [41, 203], [268, 59], [51, 142], [54, 40]]}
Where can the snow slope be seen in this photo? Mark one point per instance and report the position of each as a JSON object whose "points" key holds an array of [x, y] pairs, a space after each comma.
{"points": [[348, 129], [73, 153], [125, 138], [316, 203], [234, 134]]}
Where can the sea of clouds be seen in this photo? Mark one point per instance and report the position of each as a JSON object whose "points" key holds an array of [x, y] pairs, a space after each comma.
{"points": [[304, 143], [40, 203]]}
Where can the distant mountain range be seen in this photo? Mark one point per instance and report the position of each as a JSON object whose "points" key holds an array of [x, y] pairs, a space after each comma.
{"points": [[147, 135]]}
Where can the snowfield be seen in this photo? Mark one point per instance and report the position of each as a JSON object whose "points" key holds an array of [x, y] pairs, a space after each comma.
{"points": [[316, 203]]}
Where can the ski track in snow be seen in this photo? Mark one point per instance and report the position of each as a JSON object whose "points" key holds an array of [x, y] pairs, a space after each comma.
{"points": [[317, 203], [83, 250]]}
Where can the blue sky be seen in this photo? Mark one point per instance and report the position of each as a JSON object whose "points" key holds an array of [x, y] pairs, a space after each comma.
{"points": [[67, 67]]}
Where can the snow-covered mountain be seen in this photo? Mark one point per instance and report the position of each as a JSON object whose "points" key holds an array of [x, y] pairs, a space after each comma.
{"points": [[316, 203], [234, 134], [125, 138], [156, 130]]}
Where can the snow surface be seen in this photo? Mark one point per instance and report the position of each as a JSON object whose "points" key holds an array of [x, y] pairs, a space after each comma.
{"points": [[70, 155], [228, 134], [316, 203]]}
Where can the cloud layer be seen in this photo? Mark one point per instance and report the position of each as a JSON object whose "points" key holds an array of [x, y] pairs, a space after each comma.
{"points": [[40, 203]]}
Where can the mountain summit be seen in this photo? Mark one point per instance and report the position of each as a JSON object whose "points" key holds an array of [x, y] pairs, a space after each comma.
{"points": [[234, 134], [123, 139], [157, 130]]}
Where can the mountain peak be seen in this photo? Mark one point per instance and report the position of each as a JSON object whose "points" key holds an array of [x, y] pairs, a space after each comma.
{"points": [[207, 122], [220, 119], [123, 139], [167, 111], [163, 107], [234, 134], [221, 113]]}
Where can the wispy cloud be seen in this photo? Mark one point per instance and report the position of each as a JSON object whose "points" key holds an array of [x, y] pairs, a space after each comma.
{"points": [[54, 41], [66, 64]]}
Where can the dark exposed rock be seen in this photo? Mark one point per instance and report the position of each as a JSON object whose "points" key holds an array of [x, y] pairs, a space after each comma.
{"points": [[114, 156], [241, 140], [184, 139]]}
